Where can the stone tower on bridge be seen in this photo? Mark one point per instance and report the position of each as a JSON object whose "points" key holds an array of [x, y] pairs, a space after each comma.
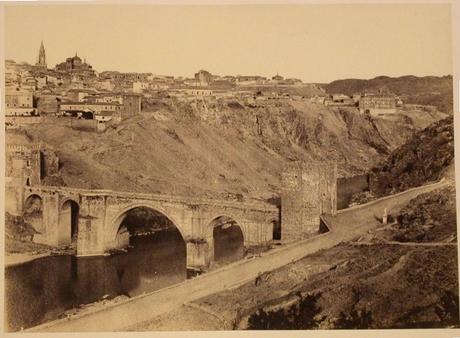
{"points": [[309, 190], [26, 165]]}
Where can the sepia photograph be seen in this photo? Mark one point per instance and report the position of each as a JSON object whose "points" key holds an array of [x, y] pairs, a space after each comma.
{"points": [[228, 167]]}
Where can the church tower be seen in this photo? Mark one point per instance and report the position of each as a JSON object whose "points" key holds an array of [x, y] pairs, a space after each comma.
{"points": [[41, 57]]}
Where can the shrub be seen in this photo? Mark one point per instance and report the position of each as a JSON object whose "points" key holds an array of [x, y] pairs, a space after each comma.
{"points": [[299, 316]]}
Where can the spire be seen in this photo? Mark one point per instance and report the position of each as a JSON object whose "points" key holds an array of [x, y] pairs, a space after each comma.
{"points": [[41, 56]]}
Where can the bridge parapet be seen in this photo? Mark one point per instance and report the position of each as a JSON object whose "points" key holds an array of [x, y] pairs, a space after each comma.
{"points": [[247, 205]]}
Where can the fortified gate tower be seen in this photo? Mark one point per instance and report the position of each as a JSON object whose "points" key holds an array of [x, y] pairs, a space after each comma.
{"points": [[309, 190]]}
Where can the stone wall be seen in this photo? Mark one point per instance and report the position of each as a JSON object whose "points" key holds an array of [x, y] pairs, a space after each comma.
{"points": [[47, 104], [309, 190], [131, 105], [14, 197], [22, 163], [22, 120]]}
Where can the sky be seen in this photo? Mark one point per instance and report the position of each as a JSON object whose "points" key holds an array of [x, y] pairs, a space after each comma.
{"points": [[316, 43]]}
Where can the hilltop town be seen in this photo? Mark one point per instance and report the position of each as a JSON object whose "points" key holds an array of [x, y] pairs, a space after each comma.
{"points": [[74, 89]]}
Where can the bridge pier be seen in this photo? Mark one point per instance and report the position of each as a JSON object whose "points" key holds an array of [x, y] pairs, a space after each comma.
{"points": [[199, 254], [91, 224], [50, 228]]}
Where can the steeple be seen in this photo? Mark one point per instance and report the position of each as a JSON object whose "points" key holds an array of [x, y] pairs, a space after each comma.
{"points": [[41, 62]]}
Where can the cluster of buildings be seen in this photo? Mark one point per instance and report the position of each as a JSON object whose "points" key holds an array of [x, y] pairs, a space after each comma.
{"points": [[74, 89], [375, 104], [204, 78], [71, 89]]}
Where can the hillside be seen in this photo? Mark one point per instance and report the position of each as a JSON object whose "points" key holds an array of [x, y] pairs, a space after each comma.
{"points": [[428, 90], [226, 148], [427, 156]]}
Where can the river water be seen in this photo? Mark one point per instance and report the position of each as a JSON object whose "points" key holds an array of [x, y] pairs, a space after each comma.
{"points": [[41, 290]]}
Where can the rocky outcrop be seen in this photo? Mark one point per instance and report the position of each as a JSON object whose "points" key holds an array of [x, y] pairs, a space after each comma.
{"points": [[424, 158]]}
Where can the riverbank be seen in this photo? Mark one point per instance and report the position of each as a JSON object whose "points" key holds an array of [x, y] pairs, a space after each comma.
{"points": [[21, 252], [21, 258]]}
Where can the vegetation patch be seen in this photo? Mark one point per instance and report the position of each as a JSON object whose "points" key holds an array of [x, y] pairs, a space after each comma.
{"points": [[428, 217], [424, 158]]}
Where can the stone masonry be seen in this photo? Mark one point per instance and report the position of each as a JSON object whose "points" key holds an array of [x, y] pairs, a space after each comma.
{"points": [[309, 190]]}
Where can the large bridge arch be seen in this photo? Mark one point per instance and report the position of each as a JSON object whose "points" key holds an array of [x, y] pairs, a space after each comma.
{"points": [[115, 222]]}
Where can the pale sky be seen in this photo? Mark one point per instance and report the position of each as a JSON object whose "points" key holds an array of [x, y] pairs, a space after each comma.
{"points": [[316, 43]]}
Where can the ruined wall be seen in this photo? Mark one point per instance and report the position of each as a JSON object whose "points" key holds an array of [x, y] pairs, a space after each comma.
{"points": [[309, 190]]}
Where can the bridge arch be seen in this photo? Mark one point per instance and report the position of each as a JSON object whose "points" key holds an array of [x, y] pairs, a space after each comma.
{"points": [[226, 238], [33, 212], [115, 222], [69, 212], [28, 197]]}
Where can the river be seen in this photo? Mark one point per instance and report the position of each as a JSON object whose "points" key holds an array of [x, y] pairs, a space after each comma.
{"points": [[41, 290]]}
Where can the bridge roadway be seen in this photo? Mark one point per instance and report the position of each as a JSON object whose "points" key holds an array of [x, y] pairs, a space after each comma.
{"points": [[347, 225]]}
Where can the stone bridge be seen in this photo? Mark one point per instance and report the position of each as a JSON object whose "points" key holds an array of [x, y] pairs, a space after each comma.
{"points": [[99, 214]]}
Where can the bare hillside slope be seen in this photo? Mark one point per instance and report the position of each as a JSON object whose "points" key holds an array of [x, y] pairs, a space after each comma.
{"points": [[227, 147]]}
